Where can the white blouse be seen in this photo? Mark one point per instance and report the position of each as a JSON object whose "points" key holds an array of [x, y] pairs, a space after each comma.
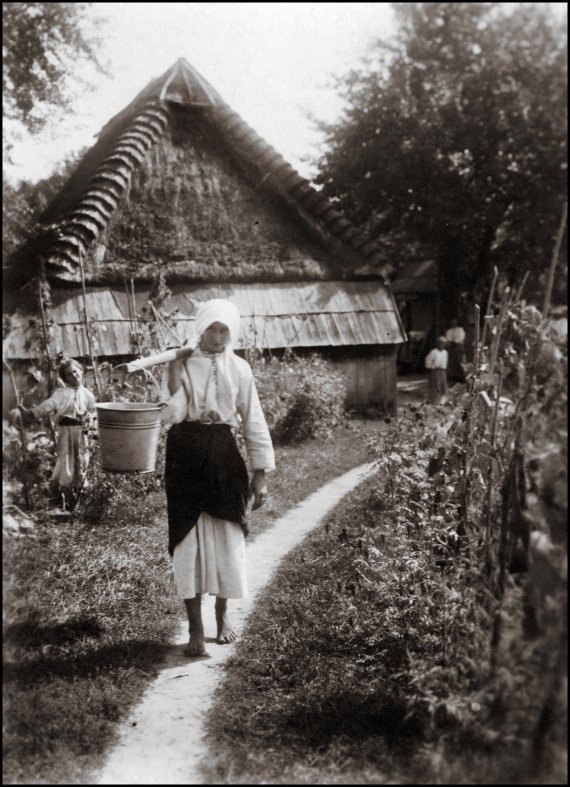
{"points": [[69, 402], [436, 359], [224, 385], [456, 335]]}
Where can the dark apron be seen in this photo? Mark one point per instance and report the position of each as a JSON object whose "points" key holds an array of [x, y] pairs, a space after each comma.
{"points": [[204, 472]]}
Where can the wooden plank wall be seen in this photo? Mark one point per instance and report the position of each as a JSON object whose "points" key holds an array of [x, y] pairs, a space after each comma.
{"points": [[371, 378]]}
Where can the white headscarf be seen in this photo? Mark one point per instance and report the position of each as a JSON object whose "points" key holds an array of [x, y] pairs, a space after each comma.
{"points": [[218, 310], [223, 396]]}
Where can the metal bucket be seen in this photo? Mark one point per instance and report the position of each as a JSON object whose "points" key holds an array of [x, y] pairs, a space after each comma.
{"points": [[128, 436]]}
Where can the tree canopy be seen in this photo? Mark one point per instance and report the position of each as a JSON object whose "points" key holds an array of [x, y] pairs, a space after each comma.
{"points": [[24, 202], [43, 47], [453, 140]]}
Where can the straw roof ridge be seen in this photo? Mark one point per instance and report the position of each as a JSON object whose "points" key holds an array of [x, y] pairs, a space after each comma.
{"points": [[194, 272], [84, 208]]}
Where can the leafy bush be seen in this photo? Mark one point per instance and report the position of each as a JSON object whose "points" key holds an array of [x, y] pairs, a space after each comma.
{"points": [[28, 461], [268, 375], [316, 406]]}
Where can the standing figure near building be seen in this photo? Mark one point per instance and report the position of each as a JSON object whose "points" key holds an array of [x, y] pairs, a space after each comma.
{"points": [[436, 363], [455, 337], [71, 406], [212, 394]]}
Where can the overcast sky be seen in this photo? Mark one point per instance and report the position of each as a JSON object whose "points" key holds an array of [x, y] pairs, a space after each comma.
{"points": [[269, 61]]}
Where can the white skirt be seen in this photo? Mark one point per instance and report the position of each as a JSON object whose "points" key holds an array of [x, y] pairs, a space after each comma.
{"points": [[211, 559], [72, 456]]}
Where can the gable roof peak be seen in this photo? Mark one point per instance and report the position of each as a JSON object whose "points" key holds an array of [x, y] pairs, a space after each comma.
{"points": [[180, 84], [84, 207], [183, 84]]}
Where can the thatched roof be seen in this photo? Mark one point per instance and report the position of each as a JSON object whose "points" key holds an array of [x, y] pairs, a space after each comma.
{"points": [[178, 182]]}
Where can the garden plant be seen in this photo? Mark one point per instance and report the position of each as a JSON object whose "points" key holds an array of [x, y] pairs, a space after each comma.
{"points": [[419, 635]]}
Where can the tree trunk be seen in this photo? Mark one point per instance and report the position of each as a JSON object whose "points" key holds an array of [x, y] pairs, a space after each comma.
{"points": [[459, 272], [450, 283], [481, 272]]}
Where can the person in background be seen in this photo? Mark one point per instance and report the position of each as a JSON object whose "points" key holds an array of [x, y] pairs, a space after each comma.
{"points": [[436, 363], [212, 395], [71, 405], [455, 337]]}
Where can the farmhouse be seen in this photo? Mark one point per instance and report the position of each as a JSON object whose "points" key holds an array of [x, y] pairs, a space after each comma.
{"points": [[179, 189]]}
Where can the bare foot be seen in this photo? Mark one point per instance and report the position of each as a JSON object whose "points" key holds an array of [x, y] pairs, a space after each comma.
{"points": [[196, 645], [226, 632]]}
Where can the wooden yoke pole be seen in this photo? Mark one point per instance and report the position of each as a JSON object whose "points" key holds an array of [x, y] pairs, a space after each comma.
{"points": [[165, 357]]}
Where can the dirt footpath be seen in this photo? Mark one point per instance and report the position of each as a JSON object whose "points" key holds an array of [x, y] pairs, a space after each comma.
{"points": [[162, 742]]}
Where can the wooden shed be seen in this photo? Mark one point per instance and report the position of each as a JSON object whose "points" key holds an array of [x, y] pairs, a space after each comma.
{"points": [[179, 187]]}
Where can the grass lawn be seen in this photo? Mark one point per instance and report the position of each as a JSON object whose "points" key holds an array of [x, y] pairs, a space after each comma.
{"points": [[90, 610]]}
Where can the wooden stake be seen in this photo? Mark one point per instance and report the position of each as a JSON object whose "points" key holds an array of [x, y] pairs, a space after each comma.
{"points": [[135, 319], [553, 261], [21, 432], [159, 326], [474, 378], [497, 405], [521, 287], [476, 358], [159, 319], [129, 304], [489, 304], [490, 479], [87, 332], [46, 338], [497, 338], [492, 290]]}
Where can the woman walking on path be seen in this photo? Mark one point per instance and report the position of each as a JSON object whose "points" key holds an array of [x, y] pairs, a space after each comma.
{"points": [[436, 363], [212, 394]]}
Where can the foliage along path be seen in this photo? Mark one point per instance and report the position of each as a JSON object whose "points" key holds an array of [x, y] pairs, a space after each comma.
{"points": [[162, 741]]}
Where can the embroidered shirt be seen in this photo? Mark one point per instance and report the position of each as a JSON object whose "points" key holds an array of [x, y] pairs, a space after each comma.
{"points": [[223, 383]]}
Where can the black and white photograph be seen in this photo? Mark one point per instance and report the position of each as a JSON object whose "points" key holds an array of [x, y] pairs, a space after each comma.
{"points": [[284, 406]]}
